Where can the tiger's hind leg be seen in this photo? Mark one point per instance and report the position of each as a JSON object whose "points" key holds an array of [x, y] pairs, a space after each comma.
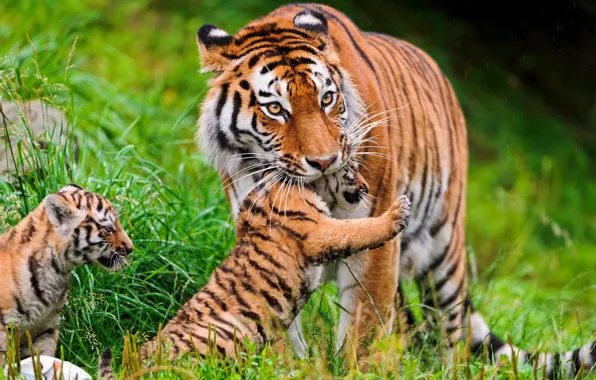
{"points": [[443, 290], [296, 336]]}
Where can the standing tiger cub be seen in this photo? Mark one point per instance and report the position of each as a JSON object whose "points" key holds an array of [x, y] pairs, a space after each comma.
{"points": [[285, 236], [69, 228]]}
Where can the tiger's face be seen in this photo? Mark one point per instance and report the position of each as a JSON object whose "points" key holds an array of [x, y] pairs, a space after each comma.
{"points": [[280, 100], [90, 226]]}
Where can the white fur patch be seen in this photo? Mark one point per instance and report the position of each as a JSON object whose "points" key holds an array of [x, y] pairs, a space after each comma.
{"points": [[218, 33], [68, 188], [306, 19]]}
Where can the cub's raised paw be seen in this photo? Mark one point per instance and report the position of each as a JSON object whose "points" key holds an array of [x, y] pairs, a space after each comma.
{"points": [[399, 212]]}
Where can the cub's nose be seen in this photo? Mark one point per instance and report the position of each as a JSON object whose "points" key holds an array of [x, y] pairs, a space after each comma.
{"points": [[125, 243], [321, 163]]}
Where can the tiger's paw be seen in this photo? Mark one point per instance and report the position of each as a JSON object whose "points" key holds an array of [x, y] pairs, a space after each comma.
{"points": [[399, 213]]}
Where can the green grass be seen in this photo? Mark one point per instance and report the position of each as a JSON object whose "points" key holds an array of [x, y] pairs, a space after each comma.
{"points": [[126, 74]]}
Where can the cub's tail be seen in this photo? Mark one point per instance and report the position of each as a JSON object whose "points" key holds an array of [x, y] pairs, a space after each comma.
{"points": [[554, 365], [105, 365]]}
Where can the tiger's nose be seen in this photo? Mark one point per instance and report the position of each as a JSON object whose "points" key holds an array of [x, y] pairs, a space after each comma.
{"points": [[321, 163], [126, 244]]}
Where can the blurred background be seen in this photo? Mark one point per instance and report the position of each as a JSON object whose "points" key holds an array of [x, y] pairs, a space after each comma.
{"points": [[126, 74]]}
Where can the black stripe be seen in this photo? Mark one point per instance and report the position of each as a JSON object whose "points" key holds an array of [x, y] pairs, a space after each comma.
{"points": [[267, 32], [292, 213], [33, 266], [269, 40], [439, 285], [223, 96], [49, 331], [20, 308], [556, 366], [447, 301], [257, 320], [28, 232], [238, 297], [235, 112], [435, 228], [55, 265], [315, 207], [253, 60], [494, 344], [259, 235], [182, 338], [267, 256], [220, 326], [215, 298], [575, 360], [272, 301]]}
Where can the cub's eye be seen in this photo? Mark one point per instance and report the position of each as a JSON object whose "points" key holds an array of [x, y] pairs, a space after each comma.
{"points": [[107, 230], [274, 108], [327, 99]]}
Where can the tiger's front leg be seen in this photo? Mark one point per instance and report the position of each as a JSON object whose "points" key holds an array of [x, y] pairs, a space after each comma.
{"points": [[367, 284], [45, 341]]}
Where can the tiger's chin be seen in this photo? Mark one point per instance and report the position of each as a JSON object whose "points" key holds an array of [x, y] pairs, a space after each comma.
{"points": [[115, 262]]}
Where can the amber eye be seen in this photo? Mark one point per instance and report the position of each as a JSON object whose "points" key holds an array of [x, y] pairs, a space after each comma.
{"points": [[327, 99], [274, 108]]}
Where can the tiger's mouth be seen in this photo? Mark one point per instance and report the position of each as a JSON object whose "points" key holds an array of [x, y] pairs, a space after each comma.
{"points": [[304, 178], [117, 260]]}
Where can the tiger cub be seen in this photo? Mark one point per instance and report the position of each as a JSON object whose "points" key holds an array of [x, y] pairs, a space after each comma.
{"points": [[69, 228], [285, 236]]}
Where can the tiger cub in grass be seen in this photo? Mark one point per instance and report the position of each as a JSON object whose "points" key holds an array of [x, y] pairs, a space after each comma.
{"points": [[69, 228], [285, 236]]}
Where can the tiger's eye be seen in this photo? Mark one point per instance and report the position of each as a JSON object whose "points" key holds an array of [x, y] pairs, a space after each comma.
{"points": [[327, 99], [274, 108], [108, 230]]}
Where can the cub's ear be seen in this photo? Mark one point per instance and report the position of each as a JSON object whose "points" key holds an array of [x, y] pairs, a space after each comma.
{"points": [[312, 21], [61, 213], [213, 46], [71, 187]]}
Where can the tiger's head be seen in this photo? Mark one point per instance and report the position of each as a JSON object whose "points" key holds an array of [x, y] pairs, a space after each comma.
{"points": [[89, 227], [279, 99]]}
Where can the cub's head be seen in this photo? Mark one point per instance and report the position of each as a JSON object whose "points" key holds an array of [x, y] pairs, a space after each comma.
{"points": [[279, 97], [343, 191], [90, 225]]}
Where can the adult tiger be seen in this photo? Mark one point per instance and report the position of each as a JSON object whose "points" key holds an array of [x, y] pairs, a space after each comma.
{"points": [[302, 91]]}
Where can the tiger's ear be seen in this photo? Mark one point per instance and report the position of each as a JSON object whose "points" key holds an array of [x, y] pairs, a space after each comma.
{"points": [[213, 46], [312, 21], [316, 22], [62, 214]]}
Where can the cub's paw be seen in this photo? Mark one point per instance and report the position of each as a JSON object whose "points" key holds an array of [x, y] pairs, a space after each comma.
{"points": [[399, 213]]}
